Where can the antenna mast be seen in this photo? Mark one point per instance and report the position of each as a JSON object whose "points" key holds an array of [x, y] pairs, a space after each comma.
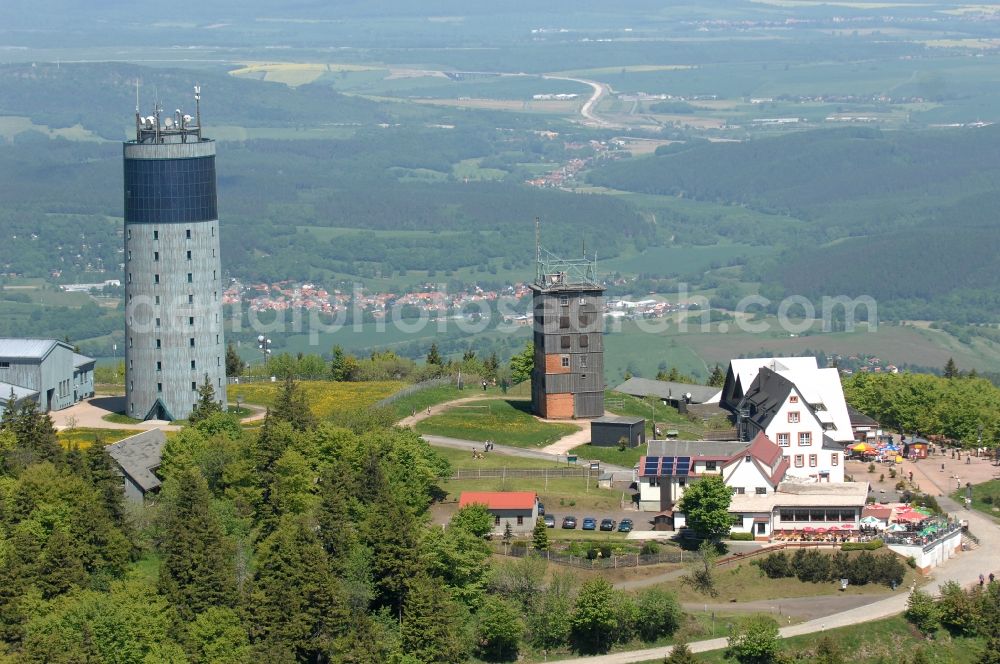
{"points": [[197, 108], [138, 119], [538, 250]]}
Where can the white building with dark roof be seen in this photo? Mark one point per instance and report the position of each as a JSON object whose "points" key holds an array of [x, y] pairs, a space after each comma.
{"points": [[46, 371], [797, 405]]}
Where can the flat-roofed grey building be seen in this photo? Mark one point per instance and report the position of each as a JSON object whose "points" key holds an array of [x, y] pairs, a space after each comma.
{"points": [[47, 371], [137, 458], [173, 272], [607, 431]]}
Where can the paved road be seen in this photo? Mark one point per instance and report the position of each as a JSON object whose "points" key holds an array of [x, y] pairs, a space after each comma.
{"points": [[587, 110], [90, 414]]}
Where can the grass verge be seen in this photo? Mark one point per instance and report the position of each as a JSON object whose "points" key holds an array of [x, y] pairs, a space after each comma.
{"points": [[325, 398], [985, 498], [120, 418], [85, 437], [572, 491], [505, 422]]}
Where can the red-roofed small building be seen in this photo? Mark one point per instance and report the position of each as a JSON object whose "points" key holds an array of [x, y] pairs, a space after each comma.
{"points": [[518, 508]]}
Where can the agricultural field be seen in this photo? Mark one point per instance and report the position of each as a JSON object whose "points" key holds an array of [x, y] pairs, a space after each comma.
{"points": [[562, 496], [505, 422], [325, 398]]}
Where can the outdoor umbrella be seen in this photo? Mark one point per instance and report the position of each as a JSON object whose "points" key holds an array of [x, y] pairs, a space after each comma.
{"points": [[896, 527], [871, 521], [847, 526]]}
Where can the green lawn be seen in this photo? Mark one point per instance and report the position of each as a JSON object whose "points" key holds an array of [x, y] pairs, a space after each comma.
{"points": [[652, 409], [432, 396], [746, 583], [887, 640], [505, 422], [463, 459], [120, 418], [562, 496], [627, 458], [84, 437], [985, 497], [325, 398]]}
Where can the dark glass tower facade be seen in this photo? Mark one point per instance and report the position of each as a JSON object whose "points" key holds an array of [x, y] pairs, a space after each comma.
{"points": [[173, 274]]}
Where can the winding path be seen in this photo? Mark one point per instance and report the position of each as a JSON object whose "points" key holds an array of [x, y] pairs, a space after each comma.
{"points": [[587, 110]]}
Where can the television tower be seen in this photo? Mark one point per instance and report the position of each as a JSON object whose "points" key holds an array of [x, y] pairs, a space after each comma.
{"points": [[173, 288]]}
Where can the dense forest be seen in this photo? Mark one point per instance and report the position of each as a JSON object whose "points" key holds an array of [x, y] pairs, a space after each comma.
{"points": [[904, 217], [303, 541]]}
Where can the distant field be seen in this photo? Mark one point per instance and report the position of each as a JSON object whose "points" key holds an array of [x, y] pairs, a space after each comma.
{"points": [[684, 260], [11, 126], [325, 398], [293, 73]]}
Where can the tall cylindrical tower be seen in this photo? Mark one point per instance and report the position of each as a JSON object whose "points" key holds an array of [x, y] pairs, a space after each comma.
{"points": [[173, 274]]}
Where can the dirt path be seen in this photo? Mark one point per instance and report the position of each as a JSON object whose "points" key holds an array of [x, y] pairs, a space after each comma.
{"points": [[411, 420]]}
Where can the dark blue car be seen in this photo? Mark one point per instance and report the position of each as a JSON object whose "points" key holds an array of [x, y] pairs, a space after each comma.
{"points": [[589, 523], [625, 526]]}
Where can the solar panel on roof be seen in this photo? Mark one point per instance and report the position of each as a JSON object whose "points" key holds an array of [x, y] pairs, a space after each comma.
{"points": [[683, 466], [668, 465], [652, 465]]}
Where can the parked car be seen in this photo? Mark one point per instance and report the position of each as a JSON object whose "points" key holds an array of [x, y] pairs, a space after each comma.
{"points": [[569, 522], [550, 521], [608, 524], [625, 526], [541, 509], [589, 523]]}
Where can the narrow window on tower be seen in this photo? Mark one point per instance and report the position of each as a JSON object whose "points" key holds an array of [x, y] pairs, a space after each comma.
{"points": [[159, 366], [187, 233], [190, 320], [159, 387], [130, 254], [159, 344], [194, 386], [130, 277], [213, 235], [156, 278], [193, 364], [157, 322], [190, 278], [156, 235], [191, 342], [214, 275], [190, 298], [189, 255], [157, 299], [156, 256], [128, 234]]}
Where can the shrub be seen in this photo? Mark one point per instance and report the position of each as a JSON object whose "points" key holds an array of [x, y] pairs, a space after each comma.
{"points": [[754, 639], [922, 612], [775, 566], [649, 548], [957, 610], [892, 473], [741, 537], [862, 546], [871, 468], [900, 485], [811, 566], [987, 499], [659, 614]]}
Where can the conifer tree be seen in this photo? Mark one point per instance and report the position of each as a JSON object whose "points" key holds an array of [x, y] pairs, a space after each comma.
{"points": [[197, 571], [296, 603], [336, 532], [434, 356], [291, 406], [430, 625], [717, 378], [681, 654], [207, 404], [101, 469], [391, 533], [59, 567], [540, 535], [234, 363], [951, 369], [338, 365]]}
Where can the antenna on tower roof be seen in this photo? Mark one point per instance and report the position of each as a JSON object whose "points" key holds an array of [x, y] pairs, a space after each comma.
{"points": [[538, 250], [197, 108], [138, 118]]}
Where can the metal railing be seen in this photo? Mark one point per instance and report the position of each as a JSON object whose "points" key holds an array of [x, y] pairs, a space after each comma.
{"points": [[413, 389], [600, 562], [499, 473]]}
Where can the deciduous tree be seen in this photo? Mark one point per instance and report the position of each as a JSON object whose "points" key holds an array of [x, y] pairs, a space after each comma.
{"points": [[706, 507]]}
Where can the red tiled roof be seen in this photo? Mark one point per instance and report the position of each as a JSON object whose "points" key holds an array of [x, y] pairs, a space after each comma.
{"points": [[877, 512], [762, 448], [499, 500], [779, 473]]}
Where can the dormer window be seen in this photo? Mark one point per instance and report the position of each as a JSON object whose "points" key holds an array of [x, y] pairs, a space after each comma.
{"points": [[793, 399]]}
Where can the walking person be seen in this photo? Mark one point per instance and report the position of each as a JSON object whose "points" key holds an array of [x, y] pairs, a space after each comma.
{"points": [[982, 580]]}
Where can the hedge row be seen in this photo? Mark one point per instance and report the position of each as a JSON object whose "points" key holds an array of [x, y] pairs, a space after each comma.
{"points": [[862, 546], [815, 567]]}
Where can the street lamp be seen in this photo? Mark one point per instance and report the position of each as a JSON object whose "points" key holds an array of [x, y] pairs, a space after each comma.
{"points": [[264, 344]]}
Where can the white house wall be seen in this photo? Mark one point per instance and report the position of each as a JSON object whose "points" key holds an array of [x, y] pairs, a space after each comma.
{"points": [[807, 423]]}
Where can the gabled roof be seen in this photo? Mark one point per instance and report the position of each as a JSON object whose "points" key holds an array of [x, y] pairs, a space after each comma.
{"points": [[765, 397], [762, 448], [499, 500], [823, 386], [29, 349], [139, 455], [81, 360], [20, 393], [859, 419], [665, 389], [742, 373]]}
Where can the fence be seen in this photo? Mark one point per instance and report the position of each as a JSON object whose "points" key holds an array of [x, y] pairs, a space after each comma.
{"points": [[494, 473], [611, 562], [413, 389]]}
